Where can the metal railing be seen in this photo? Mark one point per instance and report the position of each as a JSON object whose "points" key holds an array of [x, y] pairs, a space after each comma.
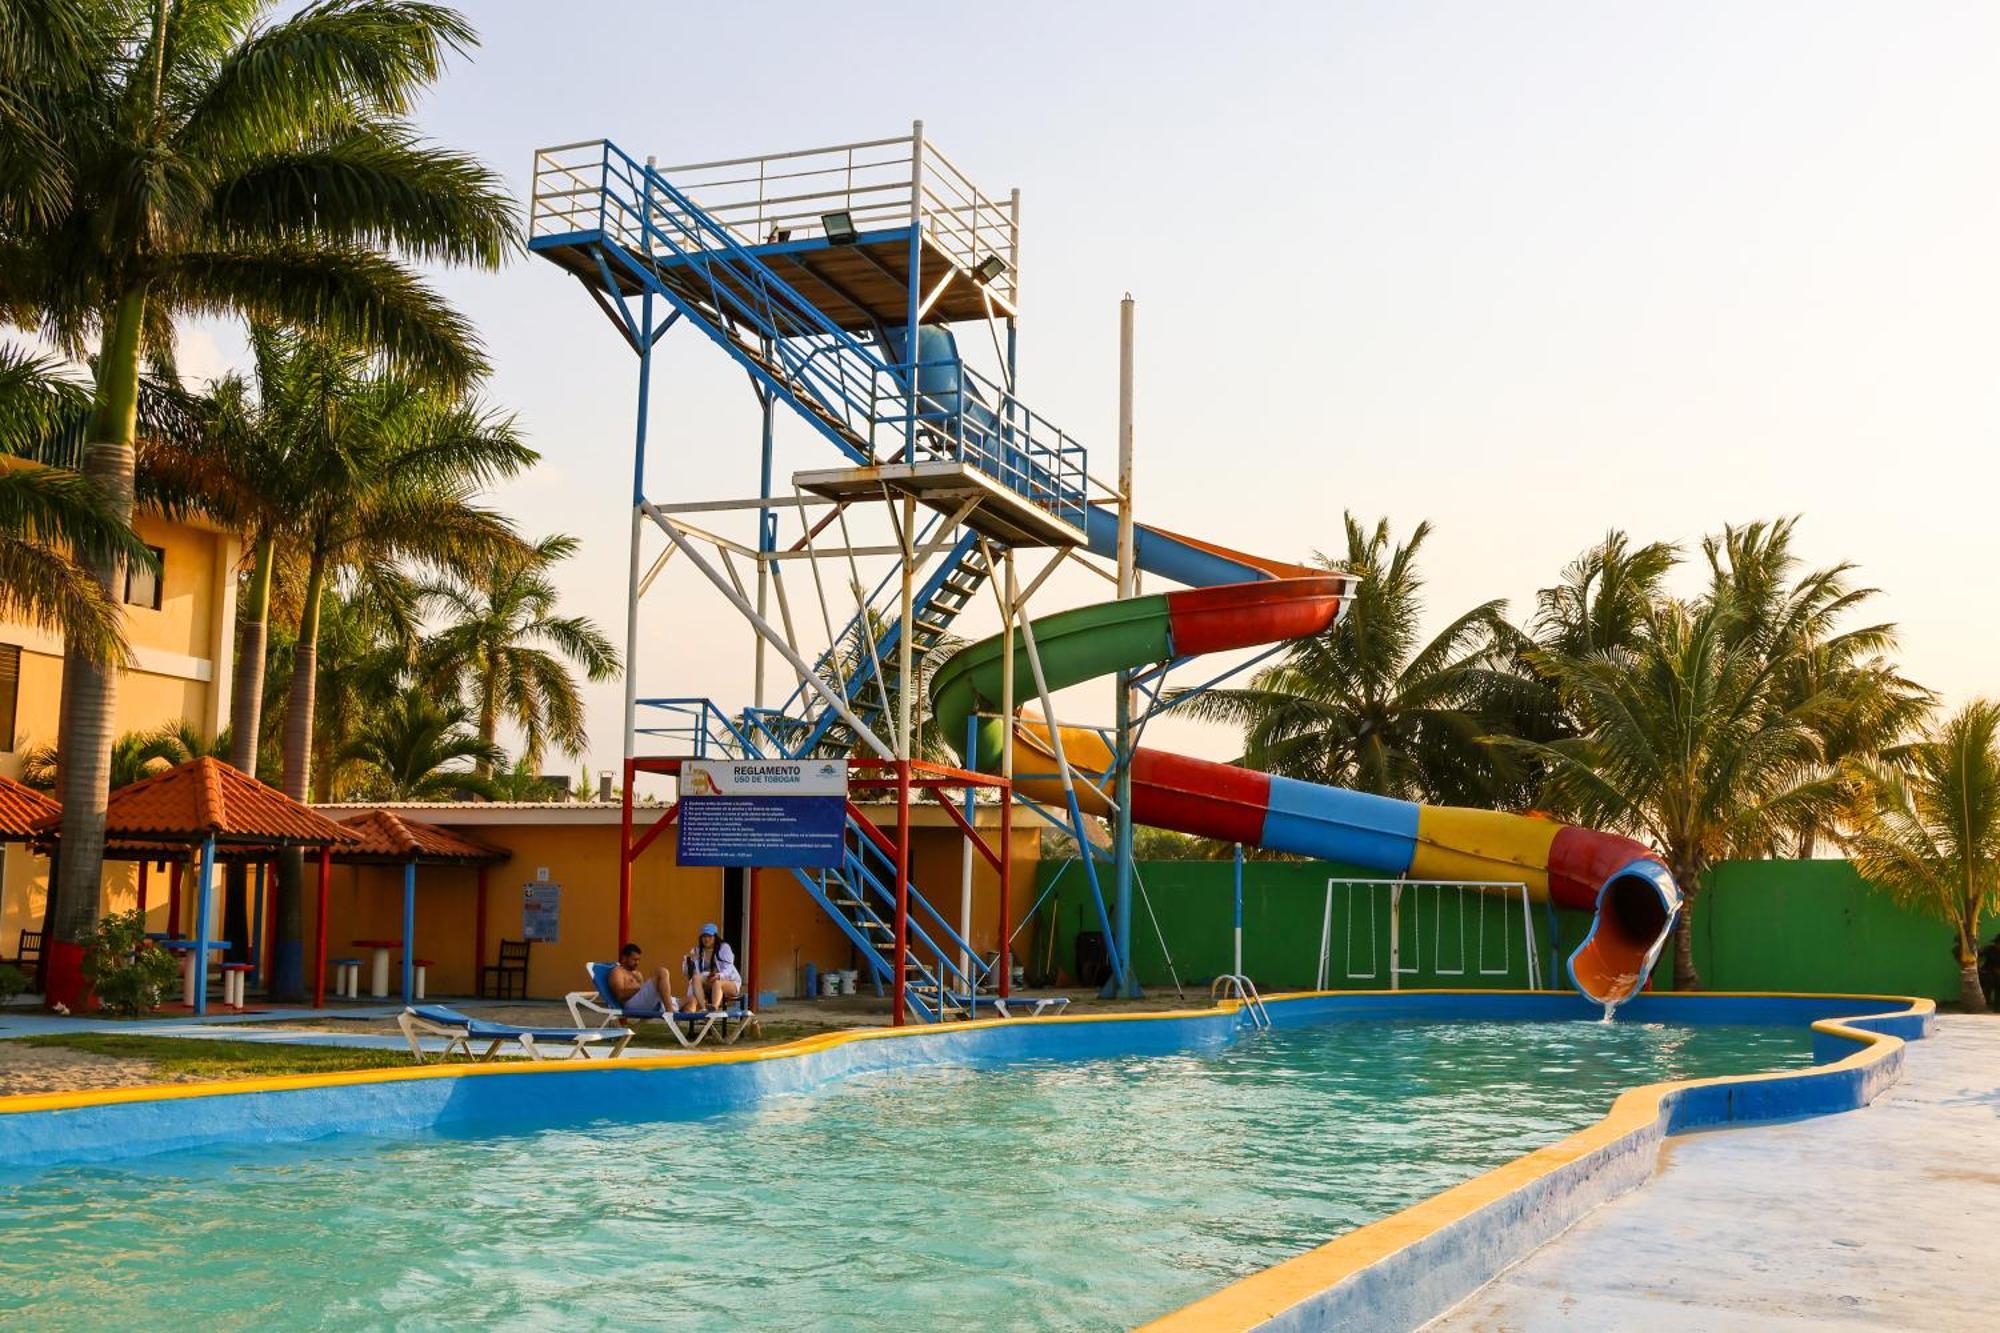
{"points": [[881, 184], [698, 727]]}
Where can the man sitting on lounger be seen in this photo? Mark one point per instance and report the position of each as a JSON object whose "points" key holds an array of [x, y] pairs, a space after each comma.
{"points": [[639, 995], [711, 972]]}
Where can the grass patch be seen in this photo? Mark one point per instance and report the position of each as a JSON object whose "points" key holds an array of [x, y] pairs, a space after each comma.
{"points": [[198, 1059]]}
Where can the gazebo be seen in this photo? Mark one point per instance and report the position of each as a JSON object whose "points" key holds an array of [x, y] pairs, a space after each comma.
{"points": [[383, 838], [22, 809], [217, 811]]}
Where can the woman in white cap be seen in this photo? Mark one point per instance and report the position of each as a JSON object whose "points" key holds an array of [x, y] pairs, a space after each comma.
{"points": [[711, 972]]}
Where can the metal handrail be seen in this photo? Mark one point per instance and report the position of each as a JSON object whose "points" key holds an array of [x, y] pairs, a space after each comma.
{"points": [[1235, 985]]}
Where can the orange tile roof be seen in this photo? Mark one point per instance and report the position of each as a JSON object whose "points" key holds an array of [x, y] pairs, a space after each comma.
{"points": [[390, 837], [21, 808], [206, 796]]}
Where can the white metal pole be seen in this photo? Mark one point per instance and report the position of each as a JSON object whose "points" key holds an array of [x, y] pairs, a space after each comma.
{"points": [[1126, 566], [1528, 935], [1396, 935], [1325, 937], [1128, 985]]}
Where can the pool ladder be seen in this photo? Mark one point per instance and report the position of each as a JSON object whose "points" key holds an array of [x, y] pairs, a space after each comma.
{"points": [[1236, 986]]}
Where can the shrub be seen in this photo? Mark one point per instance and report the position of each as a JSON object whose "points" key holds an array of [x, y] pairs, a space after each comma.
{"points": [[12, 982], [126, 972]]}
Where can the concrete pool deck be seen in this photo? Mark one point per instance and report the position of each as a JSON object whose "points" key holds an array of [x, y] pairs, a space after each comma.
{"points": [[1875, 1218]]}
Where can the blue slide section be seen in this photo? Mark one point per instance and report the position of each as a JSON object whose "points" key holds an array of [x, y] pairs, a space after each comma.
{"points": [[1169, 556], [1335, 824]]}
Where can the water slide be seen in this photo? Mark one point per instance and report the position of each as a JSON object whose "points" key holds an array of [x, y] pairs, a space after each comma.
{"points": [[1232, 600]]}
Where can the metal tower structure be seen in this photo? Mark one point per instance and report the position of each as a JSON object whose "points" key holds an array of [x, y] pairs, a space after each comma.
{"points": [[836, 280]]}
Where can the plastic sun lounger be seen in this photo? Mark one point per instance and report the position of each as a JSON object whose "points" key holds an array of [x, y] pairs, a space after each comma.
{"points": [[435, 1020], [596, 1008], [1029, 1006]]}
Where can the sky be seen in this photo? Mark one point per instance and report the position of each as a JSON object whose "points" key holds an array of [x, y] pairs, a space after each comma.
{"points": [[1529, 271]]}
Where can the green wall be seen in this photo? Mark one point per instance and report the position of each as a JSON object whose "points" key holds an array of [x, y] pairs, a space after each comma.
{"points": [[1758, 925]]}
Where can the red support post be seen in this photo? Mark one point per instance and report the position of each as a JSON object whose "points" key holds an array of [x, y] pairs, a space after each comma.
{"points": [[319, 965], [1006, 889], [902, 887], [625, 864], [479, 932], [174, 901]]}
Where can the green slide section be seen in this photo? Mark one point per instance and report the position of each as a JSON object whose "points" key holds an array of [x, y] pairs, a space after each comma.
{"points": [[1075, 646]]}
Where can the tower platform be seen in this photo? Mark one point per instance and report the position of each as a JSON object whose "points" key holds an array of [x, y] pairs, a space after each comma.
{"points": [[1006, 516], [861, 285]]}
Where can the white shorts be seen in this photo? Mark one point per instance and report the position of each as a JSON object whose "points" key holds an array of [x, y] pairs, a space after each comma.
{"points": [[646, 1002]]}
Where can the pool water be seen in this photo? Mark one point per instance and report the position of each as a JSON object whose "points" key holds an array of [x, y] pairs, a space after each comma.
{"points": [[1045, 1194]]}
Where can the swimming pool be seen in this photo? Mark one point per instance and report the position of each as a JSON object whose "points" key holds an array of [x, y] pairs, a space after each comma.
{"points": [[1039, 1194]]}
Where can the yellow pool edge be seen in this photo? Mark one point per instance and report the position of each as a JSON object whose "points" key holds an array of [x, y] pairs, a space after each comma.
{"points": [[20, 1103]]}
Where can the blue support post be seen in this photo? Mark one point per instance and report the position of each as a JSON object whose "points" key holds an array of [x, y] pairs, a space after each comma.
{"points": [[409, 931], [203, 922], [1124, 981], [1239, 909]]}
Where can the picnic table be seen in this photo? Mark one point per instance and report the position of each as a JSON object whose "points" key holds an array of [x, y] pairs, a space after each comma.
{"points": [[378, 979], [190, 970]]}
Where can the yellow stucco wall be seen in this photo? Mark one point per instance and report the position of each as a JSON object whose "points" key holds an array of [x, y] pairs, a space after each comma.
{"points": [[180, 651], [669, 903]]}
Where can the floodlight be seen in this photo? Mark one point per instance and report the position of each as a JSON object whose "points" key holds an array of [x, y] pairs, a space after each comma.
{"points": [[839, 226], [989, 268]]}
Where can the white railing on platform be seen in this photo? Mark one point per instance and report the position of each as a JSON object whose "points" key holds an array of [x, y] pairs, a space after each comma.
{"points": [[881, 184]]}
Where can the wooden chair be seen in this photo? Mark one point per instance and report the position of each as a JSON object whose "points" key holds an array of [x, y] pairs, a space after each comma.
{"points": [[509, 976], [28, 953]]}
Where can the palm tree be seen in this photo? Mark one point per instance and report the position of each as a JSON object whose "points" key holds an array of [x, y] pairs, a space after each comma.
{"points": [[1369, 704], [195, 157], [413, 749], [1930, 831], [382, 470], [51, 517], [1604, 598], [1687, 744], [134, 755], [523, 781], [507, 651], [1838, 679]]}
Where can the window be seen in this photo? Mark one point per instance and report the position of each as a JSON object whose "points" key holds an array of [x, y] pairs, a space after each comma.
{"points": [[10, 692], [142, 585]]}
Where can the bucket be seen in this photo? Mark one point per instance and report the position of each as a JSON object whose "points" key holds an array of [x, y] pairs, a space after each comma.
{"points": [[850, 981], [829, 983]]}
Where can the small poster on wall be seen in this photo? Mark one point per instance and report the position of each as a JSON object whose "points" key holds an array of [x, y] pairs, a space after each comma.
{"points": [[541, 912]]}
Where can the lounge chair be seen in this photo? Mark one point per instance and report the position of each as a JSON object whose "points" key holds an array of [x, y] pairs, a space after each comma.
{"points": [[597, 1008], [461, 1030], [1029, 1006]]}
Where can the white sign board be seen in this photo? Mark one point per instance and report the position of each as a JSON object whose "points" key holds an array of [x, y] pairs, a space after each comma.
{"points": [[763, 777]]}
